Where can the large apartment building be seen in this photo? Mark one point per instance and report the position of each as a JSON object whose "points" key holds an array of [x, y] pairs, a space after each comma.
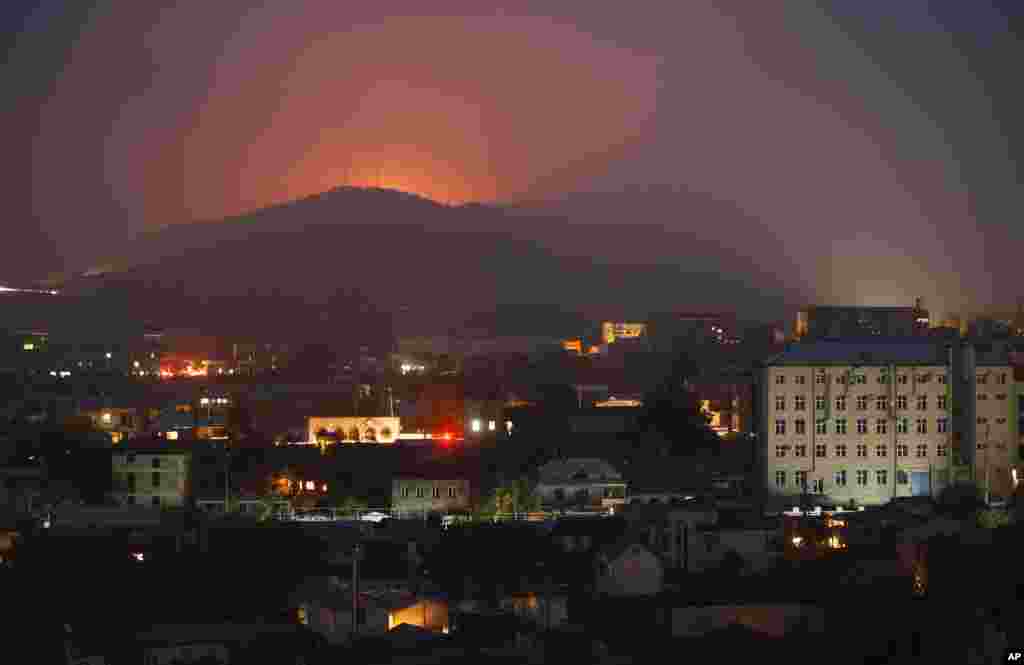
{"points": [[869, 421], [151, 475]]}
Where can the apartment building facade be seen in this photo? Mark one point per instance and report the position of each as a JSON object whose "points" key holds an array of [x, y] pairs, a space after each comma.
{"points": [[872, 421], [151, 476]]}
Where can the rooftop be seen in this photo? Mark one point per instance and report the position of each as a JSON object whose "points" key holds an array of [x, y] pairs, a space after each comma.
{"points": [[875, 351], [579, 468]]}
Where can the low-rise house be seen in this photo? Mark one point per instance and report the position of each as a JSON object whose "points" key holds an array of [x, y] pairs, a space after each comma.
{"points": [[582, 483], [325, 605], [627, 568], [151, 473], [425, 492]]}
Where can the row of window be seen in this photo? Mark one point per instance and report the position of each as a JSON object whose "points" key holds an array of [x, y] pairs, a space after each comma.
{"points": [[840, 426], [818, 485], [901, 379], [130, 480], [863, 402], [421, 492], [155, 462], [131, 500], [861, 450]]}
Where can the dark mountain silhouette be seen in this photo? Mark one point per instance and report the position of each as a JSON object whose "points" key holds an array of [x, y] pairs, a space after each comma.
{"points": [[323, 263]]}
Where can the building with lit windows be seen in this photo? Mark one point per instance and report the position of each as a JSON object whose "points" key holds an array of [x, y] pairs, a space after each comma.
{"points": [[872, 420], [826, 321], [429, 491], [120, 423], [612, 331], [151, 474]]}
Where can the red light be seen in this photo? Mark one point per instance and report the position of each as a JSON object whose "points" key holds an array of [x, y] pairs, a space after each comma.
{"points": [[447, 436]]}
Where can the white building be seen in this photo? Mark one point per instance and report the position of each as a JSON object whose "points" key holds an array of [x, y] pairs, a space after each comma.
{"points": [[870, 420], [585, 483]]}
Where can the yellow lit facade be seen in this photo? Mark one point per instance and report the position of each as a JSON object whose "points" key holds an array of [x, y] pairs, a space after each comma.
{"points": [[612, 331]]}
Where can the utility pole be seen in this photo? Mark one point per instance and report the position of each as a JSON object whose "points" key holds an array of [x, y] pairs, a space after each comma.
{"points": [[357, 553]]}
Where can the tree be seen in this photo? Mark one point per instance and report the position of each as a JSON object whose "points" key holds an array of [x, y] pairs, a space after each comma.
{"points": [[672, 411], [961, 500], [516, 497]]}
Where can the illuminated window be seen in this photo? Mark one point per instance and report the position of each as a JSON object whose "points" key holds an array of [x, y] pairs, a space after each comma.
{"points": [[476, 425], [108, 418], [491, 425], [28, 346], [172, 436]]}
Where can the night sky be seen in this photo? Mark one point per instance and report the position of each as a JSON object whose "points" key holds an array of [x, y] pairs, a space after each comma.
{"points": [[881, 139]]}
